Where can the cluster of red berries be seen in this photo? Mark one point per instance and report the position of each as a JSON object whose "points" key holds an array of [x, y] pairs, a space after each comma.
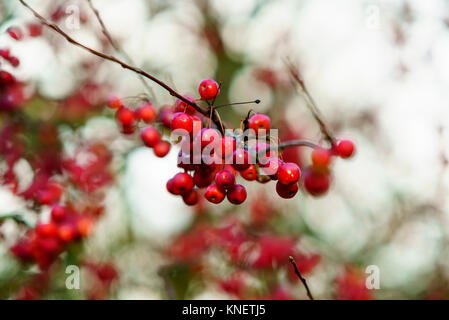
{"points": [[129, 120], [32, 30], [46, 241]]}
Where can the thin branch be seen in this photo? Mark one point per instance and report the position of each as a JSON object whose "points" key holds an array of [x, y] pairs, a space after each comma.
{"points": [[311, 103], [116, 45], [121, 63], [303, 280], [257, 101], [297, 143]]}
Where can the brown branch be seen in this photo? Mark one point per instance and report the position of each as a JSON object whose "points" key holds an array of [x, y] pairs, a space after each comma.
{"points": [[311, 103], [297, 143], [124, 65], [304, 282], [116, 45]]}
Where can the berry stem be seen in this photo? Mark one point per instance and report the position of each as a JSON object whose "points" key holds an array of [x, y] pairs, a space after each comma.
{"points": [[303, 280], [297, 143], [257, 101], [123, 64]]}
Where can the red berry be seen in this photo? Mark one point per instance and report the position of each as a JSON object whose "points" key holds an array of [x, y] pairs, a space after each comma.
{"points": [[321, 157], [286, 191], [34, 29], [228, 145], [146, 113], [225, 179], [214, 194], [203, 179], [169, 186], [5, 53], [162, 148], [289, 173], [208, 89], [58, 213], [6, 78], [182, 121], [125, 116], [165, 115], [316, 183], [271, 167], [208, 136], [241, 159], [249, 173], [150, 136], [114, 102], [13, 61], [47, 229], [67, 232], [259, 121], [191, 198], [237, 194], [182, 183], [345, 148], [15, 33], [182, 106]]}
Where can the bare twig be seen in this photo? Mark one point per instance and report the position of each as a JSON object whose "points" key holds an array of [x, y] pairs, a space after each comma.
{"points": [[304, 282], [123, 64], [311, 103], [116, 45], [297, 143]]}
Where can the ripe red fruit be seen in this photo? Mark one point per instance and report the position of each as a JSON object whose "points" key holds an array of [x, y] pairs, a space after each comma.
{"points": [[289, 173], [5, 53], [125, 116], [165, 115], [47, 229], [162, 148], [225, 179], [146, 113], [203, 179], [182, 183], [169, 186], [241, 159], [259, 121], [114, 102], [13, 61], [228, 145], [249, 173], [286, 191], [316, 183], [58, 213], [182, 121], [271, 167], [214, 194], [345, 148], [321, 157], [67, 232], [207, 136], [208, 89], [181, 106], [150, 136], [191, 198], [34, 29], [15, 33], [237, 194], [6, 78]]}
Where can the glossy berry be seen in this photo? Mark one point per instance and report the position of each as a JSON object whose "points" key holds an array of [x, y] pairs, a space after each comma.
{"points": [[345, 148], [259, 121], [225, 179], [47, 229], [316, 183], [15, 33], [203, 179], [208, 89], [321, 157], [249, 173], [165, 115], [162, 148], [207, 136], [67, 233], [191, 198], [228, 146], [169, 186], [6, 78], [287, 191], [289, 173], [114, 102], [150, 136], [125, 117], [241, 159], [182, 121], [58, 213], [146, 113], [214, 194], [271, 167], [182, 183], [237, 194], [182, 106]]}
